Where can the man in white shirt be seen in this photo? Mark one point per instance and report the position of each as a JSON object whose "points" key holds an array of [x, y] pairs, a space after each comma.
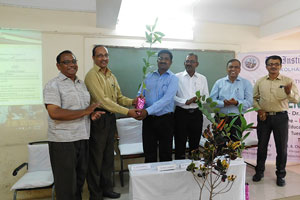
{"points": [[188, 118]]}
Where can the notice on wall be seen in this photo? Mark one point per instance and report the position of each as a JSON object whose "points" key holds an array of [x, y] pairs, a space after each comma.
{"points": [[21, 98], [20, 74]]}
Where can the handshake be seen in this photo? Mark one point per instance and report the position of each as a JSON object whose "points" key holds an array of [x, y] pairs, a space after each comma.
{"points": [[138, 113]]}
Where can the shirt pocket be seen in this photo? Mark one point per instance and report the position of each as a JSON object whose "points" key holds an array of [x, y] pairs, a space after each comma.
{"points": [[163, 90], [280, 93], [238, 93]]}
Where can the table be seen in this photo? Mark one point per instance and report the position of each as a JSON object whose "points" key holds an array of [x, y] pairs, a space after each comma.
{"points": [[179, 184]]}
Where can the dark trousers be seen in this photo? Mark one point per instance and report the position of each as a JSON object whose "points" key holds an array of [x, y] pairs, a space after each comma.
{"points": [[69, 165], [101, 162], [188, 125], [158, 130], [279, 125]]}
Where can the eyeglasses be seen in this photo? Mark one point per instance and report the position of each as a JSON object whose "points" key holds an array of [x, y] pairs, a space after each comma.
{"points": [[102, 55], [67, 62], [191, 61], [163, 58], [233, 67], [273, 64]]}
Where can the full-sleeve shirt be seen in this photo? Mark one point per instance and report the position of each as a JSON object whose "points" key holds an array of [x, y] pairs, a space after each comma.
{"points": [[104, 89], [269, 95], [241, 90], [63, 92], [187, 88], [160, 92]]}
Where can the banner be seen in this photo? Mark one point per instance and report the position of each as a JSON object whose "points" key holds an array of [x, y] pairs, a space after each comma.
{"points": [[254, 67]]}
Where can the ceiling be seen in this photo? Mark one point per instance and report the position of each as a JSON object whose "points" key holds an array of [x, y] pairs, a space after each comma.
{"points": [[273, 17]]}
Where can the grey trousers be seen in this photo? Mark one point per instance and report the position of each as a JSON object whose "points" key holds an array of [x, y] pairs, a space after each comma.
{"points": [[101, 152], [69, 165]]}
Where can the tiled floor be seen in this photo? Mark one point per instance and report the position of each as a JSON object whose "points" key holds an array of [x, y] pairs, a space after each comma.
{"points": [[267, 189]]}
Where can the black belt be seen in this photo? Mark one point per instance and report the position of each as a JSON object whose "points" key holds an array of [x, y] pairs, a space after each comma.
{"points": [[106, 111], [188, 110], [154, 116], [276, 113]]}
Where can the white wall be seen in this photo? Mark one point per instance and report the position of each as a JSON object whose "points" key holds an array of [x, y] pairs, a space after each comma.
{"points": [[76, 31]]}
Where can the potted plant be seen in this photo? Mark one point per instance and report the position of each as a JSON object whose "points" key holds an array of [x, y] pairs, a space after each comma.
{"points": [[218, 149]]}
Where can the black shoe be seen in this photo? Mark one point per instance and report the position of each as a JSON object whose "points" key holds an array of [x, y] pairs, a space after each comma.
{"points": [[257, 177], [112, 195], [280, 182]]}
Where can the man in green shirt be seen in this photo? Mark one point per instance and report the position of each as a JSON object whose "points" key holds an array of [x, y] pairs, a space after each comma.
{"points": [[103, 87]]}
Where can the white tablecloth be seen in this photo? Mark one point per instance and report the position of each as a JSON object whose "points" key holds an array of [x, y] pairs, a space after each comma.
{"points": [[179, 184]]}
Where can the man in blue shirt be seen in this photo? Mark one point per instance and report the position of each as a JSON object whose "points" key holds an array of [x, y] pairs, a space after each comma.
{"points": [[231, 91], [158, 120]]}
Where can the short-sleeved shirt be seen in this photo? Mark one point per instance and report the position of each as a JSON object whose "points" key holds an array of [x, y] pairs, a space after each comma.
{"points": [[269, 95], [65, 93]]}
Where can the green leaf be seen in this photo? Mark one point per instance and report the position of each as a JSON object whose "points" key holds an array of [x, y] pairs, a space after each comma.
{"points": [[159, 40], [237, 127], [244, 123], [249, 126], [148, 38], [250, 110], [145, 61], [216, 110], [144, 85], [199, 104], [240, 108], [147, 65], [232, 114], [222, 115], [209, 100], [150, 53], [232, 121], [148, 28], [213, 104], [246, 135], [159, 33], [198, 94], [144, 70]]}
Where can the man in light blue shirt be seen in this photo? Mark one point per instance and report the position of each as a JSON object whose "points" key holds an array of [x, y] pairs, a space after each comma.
{"points": [[158, 119], [231, 91]]}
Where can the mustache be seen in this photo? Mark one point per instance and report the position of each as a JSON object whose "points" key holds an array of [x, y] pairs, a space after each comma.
{"points": [[162, 63]]}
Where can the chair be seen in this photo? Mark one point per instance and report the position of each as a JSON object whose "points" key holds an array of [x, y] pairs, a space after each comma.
{"points": [[39, 173], [251, 142], [130, 141]]}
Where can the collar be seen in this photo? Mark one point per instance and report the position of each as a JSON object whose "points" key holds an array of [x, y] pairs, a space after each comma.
{"points": [[187, 74], [279, 77], [62, 77], [167, 72], [97, 69], [237, 79]]}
